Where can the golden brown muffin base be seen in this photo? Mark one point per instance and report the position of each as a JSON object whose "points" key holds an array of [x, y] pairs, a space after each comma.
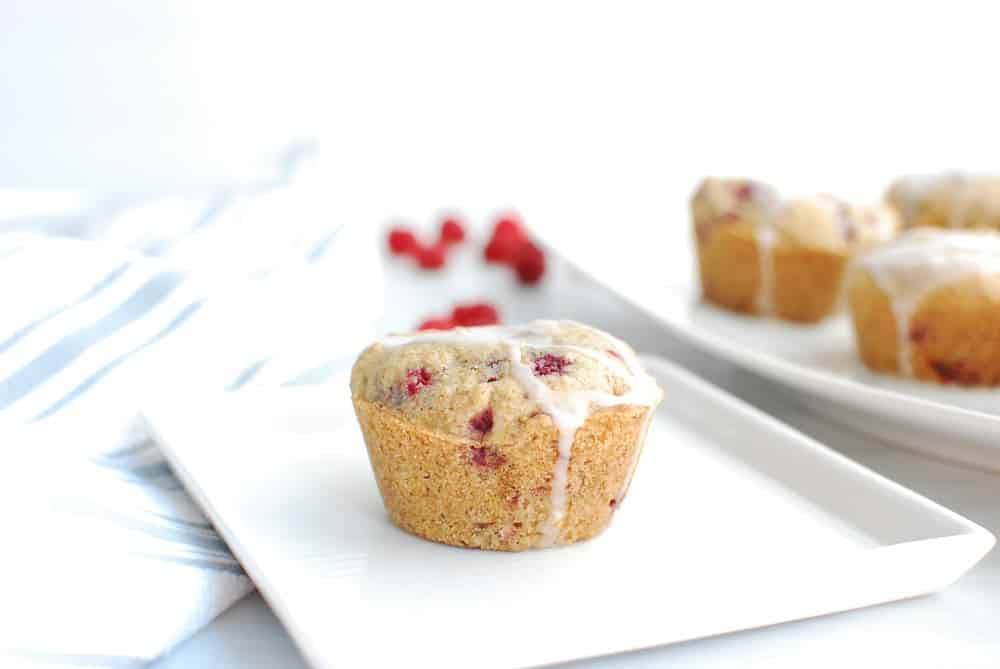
{"points": [[445, 489], [807, 280], [954, 332]]}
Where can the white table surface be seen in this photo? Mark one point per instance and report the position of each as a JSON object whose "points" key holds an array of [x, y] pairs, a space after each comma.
{"points": [[955, 628]]}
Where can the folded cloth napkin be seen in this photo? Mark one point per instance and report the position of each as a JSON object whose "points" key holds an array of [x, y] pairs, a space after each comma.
{"points": [[107, 561]]}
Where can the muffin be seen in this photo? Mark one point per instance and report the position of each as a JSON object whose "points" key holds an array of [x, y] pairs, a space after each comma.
{"points": [[927, 306], [759, 255], [503, 438], [947, 200]]}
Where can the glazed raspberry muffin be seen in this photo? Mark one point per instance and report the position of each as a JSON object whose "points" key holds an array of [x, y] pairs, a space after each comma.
{"points": [[927, 306], [948, 200], [759, 255], [503, 438]]}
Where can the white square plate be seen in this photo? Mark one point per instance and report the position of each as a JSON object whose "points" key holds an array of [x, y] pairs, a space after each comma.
{"points": [[817, 362], [733, 521]]}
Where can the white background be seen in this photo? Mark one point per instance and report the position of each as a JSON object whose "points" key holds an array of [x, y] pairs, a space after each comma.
{"points": [[607, 111], [603, 102]]}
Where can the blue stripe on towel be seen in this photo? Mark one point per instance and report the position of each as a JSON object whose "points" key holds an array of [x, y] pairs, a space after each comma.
{"points": [[247, 374], [108, 368], [61, 354], [319, 249], [212, 211], [97, 288]]}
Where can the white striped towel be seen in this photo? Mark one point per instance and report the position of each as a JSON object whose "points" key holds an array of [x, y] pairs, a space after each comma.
{"points": [[107, 560]]}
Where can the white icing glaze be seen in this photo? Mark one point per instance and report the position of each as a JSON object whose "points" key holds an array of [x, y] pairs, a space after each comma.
{"points": [[922, 260], [868, 225], [568, 410], [766, 238], [910, 190]]}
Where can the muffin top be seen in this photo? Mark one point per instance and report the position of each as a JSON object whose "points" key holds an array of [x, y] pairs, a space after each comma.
{"points": [[718, 196], [820, 221], [947, 199], [722, 201], [923, 259], [483, 382], [826, 222]]}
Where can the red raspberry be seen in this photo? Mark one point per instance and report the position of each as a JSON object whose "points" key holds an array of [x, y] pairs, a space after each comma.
{"points": [[549, 363], [435, 323], [478, 313], [508, 235], [495, 251], [482, 422], [417, 379], [530, 263], [401, 241], [431, 257], [508, 226], [503, 248], [452, 231]]}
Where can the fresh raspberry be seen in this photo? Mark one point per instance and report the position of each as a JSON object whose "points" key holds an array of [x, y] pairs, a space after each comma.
{"points": [[613, 502], [482, 422], [477, 313], [402, 241], [452, 230], [436, 323], [417, 379], [484, 456], [502, 248], [530, 263], [431, 257], [508, 226], [549, 363], [508, 235]]}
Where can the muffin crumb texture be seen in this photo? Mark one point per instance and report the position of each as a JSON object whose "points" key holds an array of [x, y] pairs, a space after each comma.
{"points": [[503, 438]]}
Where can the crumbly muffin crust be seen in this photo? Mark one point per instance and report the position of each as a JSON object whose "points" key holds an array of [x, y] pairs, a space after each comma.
{"points": [[927, 306], [761, 255], [503, 438]]}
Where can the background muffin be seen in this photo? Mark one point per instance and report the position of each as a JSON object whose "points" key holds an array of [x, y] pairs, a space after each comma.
{"points": [[947, 200], [503, 438], [759, 255], [928, 306]]}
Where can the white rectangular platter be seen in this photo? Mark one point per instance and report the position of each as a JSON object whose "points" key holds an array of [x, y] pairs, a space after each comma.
{"points": [[818, 363], [733, 521]]}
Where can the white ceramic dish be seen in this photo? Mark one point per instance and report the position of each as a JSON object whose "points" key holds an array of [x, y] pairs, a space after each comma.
{"points": [[818, 362], [733, 521]]}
